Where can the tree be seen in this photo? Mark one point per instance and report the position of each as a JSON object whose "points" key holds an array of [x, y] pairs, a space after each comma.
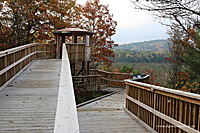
{"points": [[95, 17], [174, 65], [23, 22]]}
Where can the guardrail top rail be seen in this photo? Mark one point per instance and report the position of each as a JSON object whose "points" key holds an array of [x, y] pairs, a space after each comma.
{"points": [[162, 109], [117, 79], [66, 114], [14, 61]]}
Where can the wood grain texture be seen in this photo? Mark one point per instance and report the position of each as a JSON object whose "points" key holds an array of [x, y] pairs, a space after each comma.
{"points": [[108, 116], [28, 104]]}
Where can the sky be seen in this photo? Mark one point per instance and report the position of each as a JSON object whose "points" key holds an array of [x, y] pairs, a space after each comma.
{"points": [[132, 25]]}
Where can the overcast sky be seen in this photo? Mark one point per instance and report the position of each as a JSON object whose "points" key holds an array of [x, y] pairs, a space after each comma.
{"points": [[132, 26]]}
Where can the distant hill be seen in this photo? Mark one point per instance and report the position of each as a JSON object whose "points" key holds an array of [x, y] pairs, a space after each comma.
{"points": [[153, 45]]}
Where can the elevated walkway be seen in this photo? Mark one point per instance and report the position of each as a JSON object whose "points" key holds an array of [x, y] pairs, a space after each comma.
{"points": [[108, 116], [29, 103]]}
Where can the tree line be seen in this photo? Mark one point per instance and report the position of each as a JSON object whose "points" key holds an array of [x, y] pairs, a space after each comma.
{"points": [[133, 56]]}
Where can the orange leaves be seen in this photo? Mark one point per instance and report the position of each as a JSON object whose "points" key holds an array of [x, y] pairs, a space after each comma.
{"points": [[152, 77], [96, 18], [33, 21]]}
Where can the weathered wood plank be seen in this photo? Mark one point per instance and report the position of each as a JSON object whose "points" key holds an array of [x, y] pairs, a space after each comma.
{"points": [[28, 104]]}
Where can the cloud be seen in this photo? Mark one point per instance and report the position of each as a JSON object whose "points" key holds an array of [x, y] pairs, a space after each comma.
{"points": [[132, 25], [150, 31]]}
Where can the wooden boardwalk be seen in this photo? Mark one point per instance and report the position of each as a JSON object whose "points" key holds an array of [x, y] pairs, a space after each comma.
{"points": [[28, 104], [107, 116]]}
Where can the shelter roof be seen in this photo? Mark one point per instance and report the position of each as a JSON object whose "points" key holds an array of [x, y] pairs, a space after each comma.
{"points": [[71, 30]]}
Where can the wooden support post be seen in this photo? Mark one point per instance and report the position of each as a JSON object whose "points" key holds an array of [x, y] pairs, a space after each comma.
{"points": [[154, 107], [14, 62], [181, 109], [35, 51], [98, 84], [74, 67], [29, 52], [127, 93], [138, 113], [58, 46], [6, 75], [77, 56], [88, 67], [198, 126], [45, 49], [83, 68], [108, 79]]}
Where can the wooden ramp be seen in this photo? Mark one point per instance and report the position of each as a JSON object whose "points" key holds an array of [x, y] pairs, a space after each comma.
{"points": [[107, 116], [28, 104]]}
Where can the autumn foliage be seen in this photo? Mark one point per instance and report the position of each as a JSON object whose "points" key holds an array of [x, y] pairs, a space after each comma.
{"points": [[152, 77], [96, 17], [23, 22]]}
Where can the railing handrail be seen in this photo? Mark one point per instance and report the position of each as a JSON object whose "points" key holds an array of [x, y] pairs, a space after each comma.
{"points": [[13, 50], [117, 78], [86, 76], [114, 73], [173, 91], [66, 120], [75, 43]]}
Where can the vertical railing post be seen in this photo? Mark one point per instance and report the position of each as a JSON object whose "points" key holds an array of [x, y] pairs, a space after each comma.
{"points": [[138, 113], [98, 84], [35, 51], [127, 93], [77, 56], [14, 62], [6, 75], [154, 107], [45, 54], [108, 79]]}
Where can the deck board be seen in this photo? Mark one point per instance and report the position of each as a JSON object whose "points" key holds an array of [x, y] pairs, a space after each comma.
{"points": [[28, 104], [107, 116]]}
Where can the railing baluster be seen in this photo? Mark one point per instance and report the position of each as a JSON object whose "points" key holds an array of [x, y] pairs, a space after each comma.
{"points": [[173, 111], [198, 124]]}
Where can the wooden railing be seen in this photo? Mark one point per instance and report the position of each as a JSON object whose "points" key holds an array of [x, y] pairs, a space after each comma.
{"points": [[76, 52], [116, 79], [89, 82], [14, 61], [66, 120], [161, 109]]}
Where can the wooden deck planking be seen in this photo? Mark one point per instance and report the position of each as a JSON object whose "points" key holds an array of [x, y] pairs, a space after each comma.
{"points": [[28, 104], [107, 116]]}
